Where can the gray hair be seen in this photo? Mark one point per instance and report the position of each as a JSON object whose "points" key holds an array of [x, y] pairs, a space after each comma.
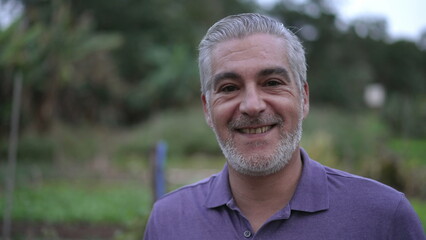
{"points": [[243, 25]]}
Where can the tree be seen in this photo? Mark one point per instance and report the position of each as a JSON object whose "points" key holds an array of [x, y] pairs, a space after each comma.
{"points": [[47, 53]]}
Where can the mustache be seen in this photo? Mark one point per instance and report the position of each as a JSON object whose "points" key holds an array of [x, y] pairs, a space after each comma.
{"points": [[244, 121]]}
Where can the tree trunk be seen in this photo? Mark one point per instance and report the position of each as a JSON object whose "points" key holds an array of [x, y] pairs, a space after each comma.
{"points": [[11, 172]]}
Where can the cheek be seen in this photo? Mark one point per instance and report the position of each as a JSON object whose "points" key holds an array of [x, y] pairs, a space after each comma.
{"points": [[223, 111], [218, 119], [290, 111]]}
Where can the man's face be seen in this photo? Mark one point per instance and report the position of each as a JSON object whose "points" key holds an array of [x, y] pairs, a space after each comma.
{"points": [[255, 106]]}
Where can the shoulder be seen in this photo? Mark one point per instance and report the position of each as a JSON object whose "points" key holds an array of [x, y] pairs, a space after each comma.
{"points": [[373, 205], [178, 210], [361, 193], [358, 184], [189, 195], [367, 204]]}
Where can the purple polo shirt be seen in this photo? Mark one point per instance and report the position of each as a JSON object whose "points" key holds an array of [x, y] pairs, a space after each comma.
{"points": [[328, 204]]}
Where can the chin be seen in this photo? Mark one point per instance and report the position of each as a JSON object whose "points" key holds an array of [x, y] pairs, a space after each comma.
{"points": [[259, 165]]}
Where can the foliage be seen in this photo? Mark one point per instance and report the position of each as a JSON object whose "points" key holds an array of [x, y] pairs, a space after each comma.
{"points": [[406, 114], [67, 203], [61, 144], [32, 148], [153, 65], [420, 208], [47, 52], [185, 133], [361, 143], [173, 81], [412, 150], [352, 137], [411, 153]]}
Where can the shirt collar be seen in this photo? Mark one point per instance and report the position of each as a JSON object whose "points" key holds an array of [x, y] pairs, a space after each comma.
{"points": [[311, 194], [220, 191]]}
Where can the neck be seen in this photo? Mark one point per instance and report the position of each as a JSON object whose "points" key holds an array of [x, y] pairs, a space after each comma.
{"points": [[261, 197]]}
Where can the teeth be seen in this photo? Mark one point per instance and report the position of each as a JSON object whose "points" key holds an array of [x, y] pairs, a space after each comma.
{"points": [[255, 130]]}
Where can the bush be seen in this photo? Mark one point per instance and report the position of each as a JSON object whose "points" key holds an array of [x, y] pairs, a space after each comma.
{"points": [[346, 138], [185, 133], [32, 147], [406, 115]]}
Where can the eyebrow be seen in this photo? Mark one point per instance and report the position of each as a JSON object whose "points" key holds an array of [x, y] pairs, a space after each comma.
{"points": [[275, 71], [225, 75], [262, 73]]}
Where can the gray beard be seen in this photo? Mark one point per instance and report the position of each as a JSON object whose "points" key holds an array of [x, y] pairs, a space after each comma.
{"points": [[261, 164]]}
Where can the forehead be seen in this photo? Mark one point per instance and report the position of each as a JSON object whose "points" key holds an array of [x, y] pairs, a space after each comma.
{"points": [[249, 53]]}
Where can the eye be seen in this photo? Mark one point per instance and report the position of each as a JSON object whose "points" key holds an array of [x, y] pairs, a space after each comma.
{"points": [[273, 83], [228, 88]]}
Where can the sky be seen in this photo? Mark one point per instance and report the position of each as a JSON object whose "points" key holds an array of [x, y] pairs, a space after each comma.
{"points": [[406, 18], [8, 11]]}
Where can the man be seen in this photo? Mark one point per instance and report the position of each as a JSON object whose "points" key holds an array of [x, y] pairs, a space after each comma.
{"points": [[255, 97]]}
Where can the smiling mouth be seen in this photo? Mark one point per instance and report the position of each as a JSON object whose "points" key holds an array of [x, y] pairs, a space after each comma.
{"points": [[257, 130]]}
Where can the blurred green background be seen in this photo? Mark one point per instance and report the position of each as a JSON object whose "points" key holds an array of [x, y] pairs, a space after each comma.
{"points": [[104, 81]]}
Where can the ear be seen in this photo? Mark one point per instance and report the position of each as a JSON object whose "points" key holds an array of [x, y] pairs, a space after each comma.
{"points": [[206, 110], [305, 91]]}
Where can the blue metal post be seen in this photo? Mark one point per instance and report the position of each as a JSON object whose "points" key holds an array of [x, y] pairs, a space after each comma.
{"points": [[160, 159]]}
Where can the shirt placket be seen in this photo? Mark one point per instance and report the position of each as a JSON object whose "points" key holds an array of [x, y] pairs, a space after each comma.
{"points": [[244, 230]]}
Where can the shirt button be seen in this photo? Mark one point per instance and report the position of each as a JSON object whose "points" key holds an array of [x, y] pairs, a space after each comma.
{"points": [[247, 234]]}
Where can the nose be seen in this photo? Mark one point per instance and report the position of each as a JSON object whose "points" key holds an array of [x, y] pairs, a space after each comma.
{"points": [[252, 103]]}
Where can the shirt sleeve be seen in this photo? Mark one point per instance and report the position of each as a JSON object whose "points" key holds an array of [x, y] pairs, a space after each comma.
{"points": [[406, 224]]}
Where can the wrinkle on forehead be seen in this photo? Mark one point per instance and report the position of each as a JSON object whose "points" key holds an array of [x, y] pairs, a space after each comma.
{"points": [[251, 50], [236, 50]]}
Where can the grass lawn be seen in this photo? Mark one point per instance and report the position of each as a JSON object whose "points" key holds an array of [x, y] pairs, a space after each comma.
{"points": [[82, 202]]}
